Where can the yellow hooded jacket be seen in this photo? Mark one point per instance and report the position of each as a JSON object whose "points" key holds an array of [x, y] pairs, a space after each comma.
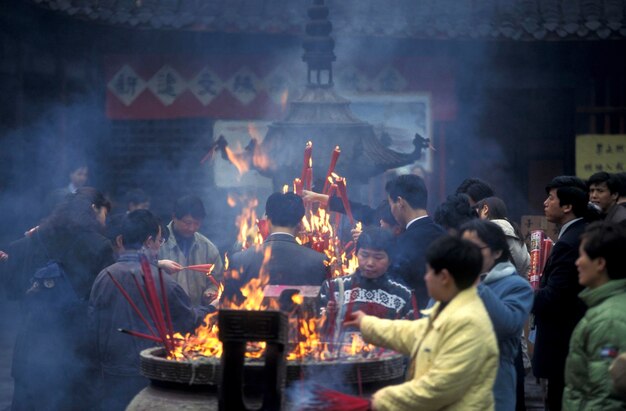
{"points": [[454, 357]]}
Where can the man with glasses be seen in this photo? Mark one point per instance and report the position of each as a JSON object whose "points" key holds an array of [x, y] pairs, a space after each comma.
{"points": [[187, 246], [118, 353]]}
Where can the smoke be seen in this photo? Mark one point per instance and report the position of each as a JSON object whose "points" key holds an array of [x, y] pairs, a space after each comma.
{"points": [[333, 377], [40, 155]]}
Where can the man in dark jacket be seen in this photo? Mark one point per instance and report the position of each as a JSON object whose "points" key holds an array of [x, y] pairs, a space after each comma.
{"points": [[407, 196], [557, 308], [118, 354], [281, 257], [604, 191]]}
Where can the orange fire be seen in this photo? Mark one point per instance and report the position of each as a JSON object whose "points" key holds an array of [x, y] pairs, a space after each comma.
{"points": [[238, 159], [249, 233], [308, 337]]}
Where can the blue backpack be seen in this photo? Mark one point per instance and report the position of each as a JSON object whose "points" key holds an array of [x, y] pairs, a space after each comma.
{"points": [[50, 289]]}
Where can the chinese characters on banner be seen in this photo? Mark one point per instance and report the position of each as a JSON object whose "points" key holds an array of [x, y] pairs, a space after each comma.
{"points": [[596, 153], [244, 87]]}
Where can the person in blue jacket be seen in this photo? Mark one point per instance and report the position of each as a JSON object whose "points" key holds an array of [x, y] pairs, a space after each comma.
{"points": [[508, 299]]}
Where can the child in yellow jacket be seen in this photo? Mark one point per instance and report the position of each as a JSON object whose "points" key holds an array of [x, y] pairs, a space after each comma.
{"points": [[453, 351]]}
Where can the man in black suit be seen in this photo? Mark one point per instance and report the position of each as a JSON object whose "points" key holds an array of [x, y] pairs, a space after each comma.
{"points": [[280, 256], [557, 308], [407, 196]]}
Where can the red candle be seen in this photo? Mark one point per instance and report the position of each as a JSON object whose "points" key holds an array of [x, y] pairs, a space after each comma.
{"points": [[308, 151], [331, 168], [297, 186], [309, 178], [343, 193]]}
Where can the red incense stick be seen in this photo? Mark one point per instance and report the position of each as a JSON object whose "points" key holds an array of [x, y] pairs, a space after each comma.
{"points": [[166, 306], [131, 302], [343, 194], [159, 321], [140, 335]]}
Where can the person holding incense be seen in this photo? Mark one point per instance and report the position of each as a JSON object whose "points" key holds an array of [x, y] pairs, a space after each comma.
{"points": [[369, 289], [280, 256], [453, 351], [110, 312], [187, 246]]}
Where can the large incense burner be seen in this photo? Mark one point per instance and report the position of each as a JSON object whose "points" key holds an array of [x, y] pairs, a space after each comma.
{"points": [[236, 382]]}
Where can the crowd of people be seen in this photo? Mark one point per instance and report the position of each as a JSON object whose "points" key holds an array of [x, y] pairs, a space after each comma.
{"points": [[450, 292]]}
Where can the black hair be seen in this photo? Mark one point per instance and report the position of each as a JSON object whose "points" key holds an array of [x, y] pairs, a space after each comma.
{"points": [[475, 188], [572, 191], [602, 239], [76, 212], [375, 238], [136, 196], [189, 205], [454, 212], [492, 235], [383, 212], [620, 181], [603, 177], [410, 187], [498, 211], [460, 257], [285, 210], [114, 227], [137, 226]]}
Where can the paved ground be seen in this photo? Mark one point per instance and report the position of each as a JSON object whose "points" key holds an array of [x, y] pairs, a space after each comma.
{"points": [[9, 320]]}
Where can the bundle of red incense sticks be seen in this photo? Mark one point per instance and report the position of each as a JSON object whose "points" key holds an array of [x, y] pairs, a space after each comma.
{"points": [[331, 400], [163, 330]]}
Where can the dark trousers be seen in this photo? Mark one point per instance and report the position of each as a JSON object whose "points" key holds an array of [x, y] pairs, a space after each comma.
{"points": [[520, 397], [554, 397]]}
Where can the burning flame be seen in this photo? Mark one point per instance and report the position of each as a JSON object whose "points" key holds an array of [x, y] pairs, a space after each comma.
{"points": [[309, 340], [238, 160], [246, 221], [260, 159]]}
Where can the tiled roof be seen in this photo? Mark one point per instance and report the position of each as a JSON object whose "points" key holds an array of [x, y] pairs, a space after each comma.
{"points": [[427, 19]]}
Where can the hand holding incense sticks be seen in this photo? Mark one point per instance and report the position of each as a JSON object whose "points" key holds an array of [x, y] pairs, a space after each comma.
{"points": [[343, 194]]}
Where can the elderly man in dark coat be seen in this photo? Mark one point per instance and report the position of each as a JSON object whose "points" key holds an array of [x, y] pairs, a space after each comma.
{"points": [[281, 257]]}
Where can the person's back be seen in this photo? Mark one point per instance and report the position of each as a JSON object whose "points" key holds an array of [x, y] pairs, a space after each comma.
{"points": [[59, 344], [280, 256]]}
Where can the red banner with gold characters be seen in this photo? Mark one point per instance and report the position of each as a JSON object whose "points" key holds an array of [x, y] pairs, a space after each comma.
{"points": [[254, 86]]}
